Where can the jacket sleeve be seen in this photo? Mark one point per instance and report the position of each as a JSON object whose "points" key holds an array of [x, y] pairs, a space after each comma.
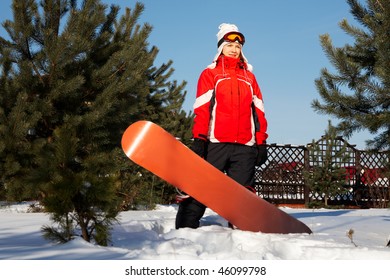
{"points": [[261, 134], [204, 95]]}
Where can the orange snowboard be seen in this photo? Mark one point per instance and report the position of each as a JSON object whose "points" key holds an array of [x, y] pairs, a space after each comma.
{"points": [[153, 148]]}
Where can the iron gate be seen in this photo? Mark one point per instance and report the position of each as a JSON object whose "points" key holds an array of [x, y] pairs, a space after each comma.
{"points": [[281, 179]]}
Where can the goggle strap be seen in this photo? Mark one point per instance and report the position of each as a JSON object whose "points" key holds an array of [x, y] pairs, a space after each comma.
{"points": [[220, 42]]}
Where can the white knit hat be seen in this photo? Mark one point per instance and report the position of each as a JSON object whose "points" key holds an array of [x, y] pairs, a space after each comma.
{"points": [[225, 28]]}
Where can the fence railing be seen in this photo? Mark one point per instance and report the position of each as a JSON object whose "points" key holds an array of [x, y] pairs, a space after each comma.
{"points": [[281, 179]]}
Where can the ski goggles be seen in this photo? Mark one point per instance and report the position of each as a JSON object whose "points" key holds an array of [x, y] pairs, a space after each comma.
{"points": [[232, 37]]}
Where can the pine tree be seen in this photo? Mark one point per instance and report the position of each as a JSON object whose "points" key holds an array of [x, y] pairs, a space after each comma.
{"points": [[359, 94], [73, 77], [327, 175]]}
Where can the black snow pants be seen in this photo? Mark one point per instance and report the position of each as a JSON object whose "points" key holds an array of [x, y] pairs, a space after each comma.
{"points": [[236, 160]]}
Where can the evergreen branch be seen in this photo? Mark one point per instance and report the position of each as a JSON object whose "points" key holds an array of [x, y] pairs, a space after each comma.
{"points": [[380, 4], [120, 69]]}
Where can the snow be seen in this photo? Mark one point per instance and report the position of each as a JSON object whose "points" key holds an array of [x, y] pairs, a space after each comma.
{"points": [[150, 235], [147, 239]]}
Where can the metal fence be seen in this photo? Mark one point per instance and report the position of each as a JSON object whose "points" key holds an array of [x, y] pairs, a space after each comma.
{"points": [[281, 179]]}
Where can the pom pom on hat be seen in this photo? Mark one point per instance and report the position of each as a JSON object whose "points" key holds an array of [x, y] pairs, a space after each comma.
{"points": [[223, 29]]}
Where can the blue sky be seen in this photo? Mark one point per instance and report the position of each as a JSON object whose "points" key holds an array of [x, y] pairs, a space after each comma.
{"points": [[282, 43]]}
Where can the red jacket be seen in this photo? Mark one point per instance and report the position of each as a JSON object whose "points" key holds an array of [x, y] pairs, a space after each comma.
{"points": [[229, 105]]}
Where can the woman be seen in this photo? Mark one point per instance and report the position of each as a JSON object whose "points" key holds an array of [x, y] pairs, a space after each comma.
{"points": [[229, 126]]}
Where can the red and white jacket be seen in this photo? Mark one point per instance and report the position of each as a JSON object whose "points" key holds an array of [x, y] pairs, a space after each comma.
{"points": [[229, 105]]}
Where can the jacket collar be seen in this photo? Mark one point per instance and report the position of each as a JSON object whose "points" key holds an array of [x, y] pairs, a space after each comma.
{"points": [[230, 62]]}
